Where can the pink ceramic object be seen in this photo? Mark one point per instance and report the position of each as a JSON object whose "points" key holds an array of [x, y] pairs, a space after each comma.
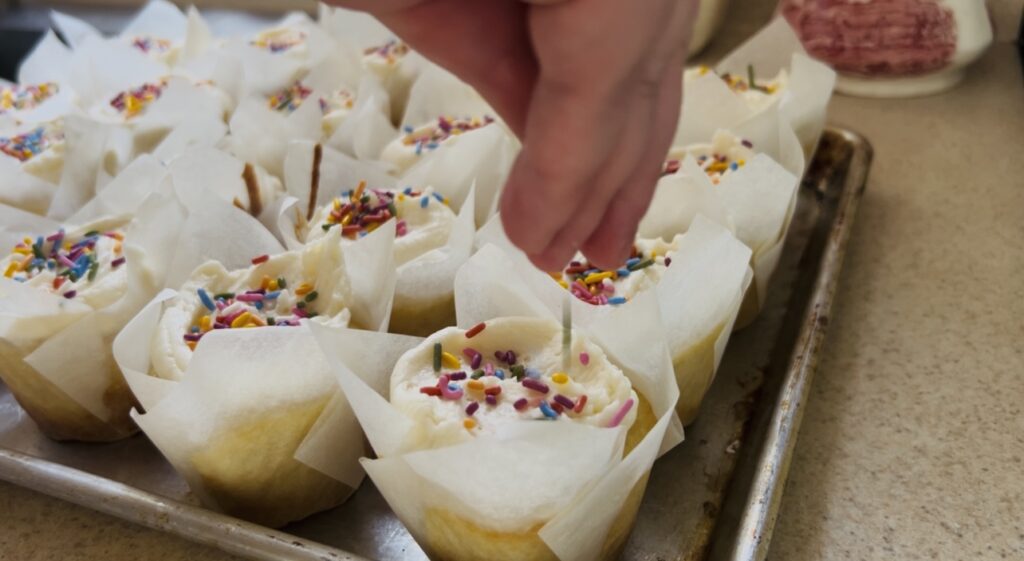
{"points": [[892, 48]]}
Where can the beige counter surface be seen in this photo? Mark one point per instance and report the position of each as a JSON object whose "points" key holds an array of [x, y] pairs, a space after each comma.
{"points": [[912, 446]]}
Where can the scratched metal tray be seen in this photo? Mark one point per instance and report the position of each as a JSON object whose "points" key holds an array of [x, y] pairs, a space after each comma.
{"points": [[713, 497]]}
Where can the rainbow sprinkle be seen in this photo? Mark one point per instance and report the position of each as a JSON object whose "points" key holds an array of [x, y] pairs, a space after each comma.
{"points": [[289, 99], [252, 308], [68, 261], [390, 52], [132, 102], [361, 211], [20, 98], [472, 379], [151, 45], [596, 286], [28, 145], [431, 136], [279, 40]]}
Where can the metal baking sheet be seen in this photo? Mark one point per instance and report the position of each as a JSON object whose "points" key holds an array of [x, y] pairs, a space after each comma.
{"points": [[713, 497]]}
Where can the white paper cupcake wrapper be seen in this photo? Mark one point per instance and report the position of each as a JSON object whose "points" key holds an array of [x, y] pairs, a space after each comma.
{"points": [[235, 378], [412, 480]]}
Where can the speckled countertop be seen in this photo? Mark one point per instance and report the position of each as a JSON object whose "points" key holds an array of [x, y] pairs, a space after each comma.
{"points": [[912, 445]]}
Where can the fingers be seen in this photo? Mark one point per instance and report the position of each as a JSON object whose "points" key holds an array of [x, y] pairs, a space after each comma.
{"points": [[484, 43], [635, 111], [565, 144], [595, 109], [609, 246]]}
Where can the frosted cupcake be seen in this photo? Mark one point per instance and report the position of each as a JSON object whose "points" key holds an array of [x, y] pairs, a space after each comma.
{"points": [[17, 97], [65, 296], [39, 150], [757, 92], [462, 385], [642, 271], [156, 47], [416, 142], [696, 282], [286, 40], [277, 291], [251, 448], [335, 106], [725, 154], [423, 223], [423, 220]]}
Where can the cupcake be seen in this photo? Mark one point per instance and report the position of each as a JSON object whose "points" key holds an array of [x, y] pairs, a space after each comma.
{"points": [[277, 291], [772, 69], [381, 53], [394, 64], [39, 150], [336, 106], [697, 281], [423, 220], [642, 271], [242, 453], [757, 92], [725, 153], [416, 142], [501, 396], [431, 239], [65, 296]]}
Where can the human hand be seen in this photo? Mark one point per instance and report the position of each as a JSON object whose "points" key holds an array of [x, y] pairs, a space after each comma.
{"points": [[592, 88]]}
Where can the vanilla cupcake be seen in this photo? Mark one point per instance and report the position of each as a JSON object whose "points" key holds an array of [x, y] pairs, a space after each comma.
{"points": [[416, 142], [336, 106], [496, 381], [40, 150], [87, 267], [462, 384], [64, 296], [158, 48], [277, 291], [392, 62], [725, 153], [423, 223], [262, 446], [283, 40], [697, 282], [757, 92], [423, 220], [17, 98], [642, 271]]}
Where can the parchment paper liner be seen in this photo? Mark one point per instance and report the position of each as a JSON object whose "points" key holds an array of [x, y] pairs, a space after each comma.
{"points": [[430, 488], [805, 101], [257, 426], [55, 353], [424, 293], [698, 298], [756, 201]]}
